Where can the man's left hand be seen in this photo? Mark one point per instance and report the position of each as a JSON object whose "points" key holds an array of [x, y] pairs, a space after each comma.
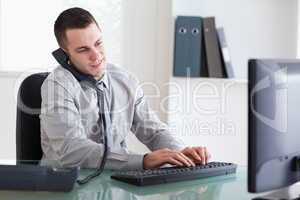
{"points": [[199, 155]]}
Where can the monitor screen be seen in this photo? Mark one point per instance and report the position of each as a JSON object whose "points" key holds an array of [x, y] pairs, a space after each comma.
{"points": [[274, 124]]}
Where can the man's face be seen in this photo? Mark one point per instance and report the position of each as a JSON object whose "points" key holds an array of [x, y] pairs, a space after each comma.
{"points": [[85, 49]]}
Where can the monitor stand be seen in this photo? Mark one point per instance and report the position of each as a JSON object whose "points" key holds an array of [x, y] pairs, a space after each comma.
{"points": [[287, 193]]}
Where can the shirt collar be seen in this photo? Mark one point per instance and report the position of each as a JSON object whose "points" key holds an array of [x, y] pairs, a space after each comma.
{"points": [[83, 77], [104, 80]]}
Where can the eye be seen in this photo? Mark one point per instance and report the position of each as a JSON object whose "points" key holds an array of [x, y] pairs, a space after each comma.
{"points": [[81, 50], [98, 44]]}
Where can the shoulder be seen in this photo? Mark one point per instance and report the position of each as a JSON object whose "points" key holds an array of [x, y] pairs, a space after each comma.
{"points": [[122, 76], [61, 75], [124, 80], [60, 78]]}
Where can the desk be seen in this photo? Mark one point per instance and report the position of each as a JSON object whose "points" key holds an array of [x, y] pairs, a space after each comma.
{"points": [[222, 187]]}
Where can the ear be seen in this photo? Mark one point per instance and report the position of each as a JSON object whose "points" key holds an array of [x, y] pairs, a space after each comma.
{"points": [[65, 50]]}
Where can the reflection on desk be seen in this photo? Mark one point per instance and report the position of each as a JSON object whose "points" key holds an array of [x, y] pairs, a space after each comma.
{"points": [[103, 187]]}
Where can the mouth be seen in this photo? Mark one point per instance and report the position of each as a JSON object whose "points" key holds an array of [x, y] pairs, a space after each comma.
{"points": [[98, 64]]}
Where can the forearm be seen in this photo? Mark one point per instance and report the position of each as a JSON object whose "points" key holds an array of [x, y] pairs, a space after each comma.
{"points": [[156, 135], [126, 162], [164, 139], [150, 130]]}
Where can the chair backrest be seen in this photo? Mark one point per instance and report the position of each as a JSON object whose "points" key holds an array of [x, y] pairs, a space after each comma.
{"points": [[28, 139]]}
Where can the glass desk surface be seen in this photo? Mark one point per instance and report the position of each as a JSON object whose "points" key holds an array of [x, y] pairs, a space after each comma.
{"points": [[103, 187]]}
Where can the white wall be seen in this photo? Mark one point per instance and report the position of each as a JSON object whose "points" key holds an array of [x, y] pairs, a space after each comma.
{"points": [[298, 41], [254, 28], [213, 113], [26, 31], [8, 85], [147, 50], [147, 46]]}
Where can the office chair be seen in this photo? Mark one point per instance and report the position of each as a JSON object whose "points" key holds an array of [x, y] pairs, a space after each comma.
{"points": [[28, 140]]}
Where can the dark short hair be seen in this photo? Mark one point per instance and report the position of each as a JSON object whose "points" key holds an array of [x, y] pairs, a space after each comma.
{"points": [[71, 18]]}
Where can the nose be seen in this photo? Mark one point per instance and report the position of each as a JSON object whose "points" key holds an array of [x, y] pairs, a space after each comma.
{"points": [[95, 55]]}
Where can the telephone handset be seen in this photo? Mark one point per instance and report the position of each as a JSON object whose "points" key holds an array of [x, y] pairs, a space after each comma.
{"points": [[63, 59]]}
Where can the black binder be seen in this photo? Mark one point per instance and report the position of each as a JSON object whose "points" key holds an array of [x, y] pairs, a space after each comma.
{"points": [[188, 57], [212, 49]]}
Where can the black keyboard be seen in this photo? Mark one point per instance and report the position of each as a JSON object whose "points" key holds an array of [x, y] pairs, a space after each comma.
{"points": [[174, 174]]}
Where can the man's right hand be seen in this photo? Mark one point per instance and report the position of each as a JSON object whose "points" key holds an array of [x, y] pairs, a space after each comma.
{"points": [[160, 157]]}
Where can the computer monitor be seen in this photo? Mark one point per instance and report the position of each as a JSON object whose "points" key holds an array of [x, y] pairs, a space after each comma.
{"points": [[274, 124]]}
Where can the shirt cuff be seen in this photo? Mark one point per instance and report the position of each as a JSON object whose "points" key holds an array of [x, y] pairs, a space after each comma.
{"points": [[135, 161]]}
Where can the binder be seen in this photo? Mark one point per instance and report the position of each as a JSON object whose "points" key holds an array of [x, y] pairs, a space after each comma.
{"points": [[188, 45], [213, 55], [225, 53]]}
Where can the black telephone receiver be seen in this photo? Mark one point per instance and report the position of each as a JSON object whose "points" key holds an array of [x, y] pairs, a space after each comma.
{"points": [[61, 56], [63, 59]]}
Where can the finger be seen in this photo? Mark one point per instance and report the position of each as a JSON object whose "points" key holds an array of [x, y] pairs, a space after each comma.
{"points": [[165, 150], [207, 155], [202, 155], [194, 154], [187, 158], [173, 161], [191, 154], [182, 159]]}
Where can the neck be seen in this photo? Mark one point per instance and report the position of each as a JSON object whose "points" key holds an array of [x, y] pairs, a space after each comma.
{"points": [[99, 77]]}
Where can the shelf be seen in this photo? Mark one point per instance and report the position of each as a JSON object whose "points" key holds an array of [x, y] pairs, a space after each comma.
{"points": [[236, 80]]}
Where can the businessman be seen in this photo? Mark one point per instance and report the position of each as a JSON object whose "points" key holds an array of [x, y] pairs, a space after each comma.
{"points": [[70, 130]]}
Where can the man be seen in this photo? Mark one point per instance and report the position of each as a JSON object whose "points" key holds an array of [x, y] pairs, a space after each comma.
{"points": [[70, 132]]}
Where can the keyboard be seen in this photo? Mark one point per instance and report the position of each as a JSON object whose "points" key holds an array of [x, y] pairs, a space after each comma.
{"points": [[174, 174]]}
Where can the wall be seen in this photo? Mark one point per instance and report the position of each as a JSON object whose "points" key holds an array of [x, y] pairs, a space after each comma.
{"points": [[254, 28], [147, 46], [147, 51], [298, 41], [8, 86], [212, 113]]}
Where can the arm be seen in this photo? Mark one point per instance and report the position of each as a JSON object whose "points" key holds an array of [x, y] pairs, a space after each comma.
{"points": [[156, 136], [149, 129]]}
